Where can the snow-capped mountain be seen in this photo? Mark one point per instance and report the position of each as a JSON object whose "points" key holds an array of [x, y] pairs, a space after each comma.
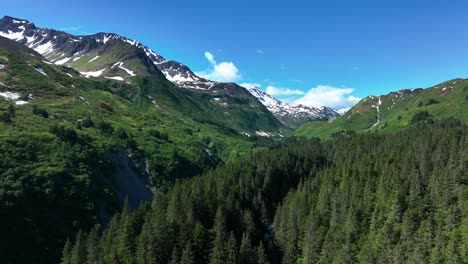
{"points": [[112, 56], [292, 114], [84, 53]]}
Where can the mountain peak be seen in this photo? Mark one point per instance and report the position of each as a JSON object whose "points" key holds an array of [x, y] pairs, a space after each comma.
{"points": [[15, 20], [292, 115]]}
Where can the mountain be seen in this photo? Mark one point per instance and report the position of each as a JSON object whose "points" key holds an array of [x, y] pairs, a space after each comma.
{"points": [[73, 148], [292, 115], [110, 56], [396, 110]]}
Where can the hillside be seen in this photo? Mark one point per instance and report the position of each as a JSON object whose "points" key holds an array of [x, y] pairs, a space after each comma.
{"points": [[396, 110], [113, 57], [77, 147]]}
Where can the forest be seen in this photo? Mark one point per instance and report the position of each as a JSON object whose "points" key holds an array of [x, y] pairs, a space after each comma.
{"points": [[357, 198]]}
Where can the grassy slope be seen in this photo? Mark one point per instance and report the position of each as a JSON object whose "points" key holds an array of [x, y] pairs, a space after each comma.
{"points": [[70, 99], [396, 110]]}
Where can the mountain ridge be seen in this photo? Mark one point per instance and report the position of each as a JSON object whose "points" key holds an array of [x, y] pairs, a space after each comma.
{"points": [[90, 55], [292, 115]]}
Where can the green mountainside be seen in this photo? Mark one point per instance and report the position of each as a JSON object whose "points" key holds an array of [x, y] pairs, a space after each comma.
{"points": [[396, 110], [73, 149]]}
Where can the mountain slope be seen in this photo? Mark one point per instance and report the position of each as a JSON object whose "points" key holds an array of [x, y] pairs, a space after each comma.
{"points": [[292, 115], [74, 148], [111, 56], [391, 112]]}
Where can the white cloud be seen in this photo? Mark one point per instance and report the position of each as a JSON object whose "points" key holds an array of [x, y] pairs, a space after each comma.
{"points": [[275, 91], [251, 85], [221, 72], [210, 57], [333, 97]]}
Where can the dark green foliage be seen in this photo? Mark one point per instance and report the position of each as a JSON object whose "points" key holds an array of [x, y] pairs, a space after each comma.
{"points": [[432, 101], [155, 133], [87, 122], [385, 200], [106, 106], [64, 133], [11, 110], [104, 127], [5, 117], [44, 196], [121, 133], [40, 111], [362, 198], [422, 116]]}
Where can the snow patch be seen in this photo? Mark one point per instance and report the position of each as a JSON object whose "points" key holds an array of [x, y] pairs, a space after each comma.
{"points": [[40, 70], [118, 78], [19, 21], [93, 73], [13, 35], [62, 61], [131, 73], [45, 48], [95, 58], [263, 133], [10, 95], [21, 102], [378, 113]]}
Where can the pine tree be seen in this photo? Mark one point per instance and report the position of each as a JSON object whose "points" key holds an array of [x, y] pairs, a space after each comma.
{"points": [[231, 250], [261, 257], [67, 251], [92, 246], [246, 252], [78, 254], [188, 256]]}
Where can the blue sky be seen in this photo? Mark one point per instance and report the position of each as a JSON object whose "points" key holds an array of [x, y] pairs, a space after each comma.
{"points": [[314, 52]]}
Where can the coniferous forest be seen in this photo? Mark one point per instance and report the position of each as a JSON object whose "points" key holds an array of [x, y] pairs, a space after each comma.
{"points": [[366, 198]]}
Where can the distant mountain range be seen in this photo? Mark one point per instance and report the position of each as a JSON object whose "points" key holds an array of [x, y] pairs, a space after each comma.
{"points": [[293, 115], [108, 55]]}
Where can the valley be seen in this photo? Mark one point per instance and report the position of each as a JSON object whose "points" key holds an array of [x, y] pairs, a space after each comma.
{"points": [[110, 153]]}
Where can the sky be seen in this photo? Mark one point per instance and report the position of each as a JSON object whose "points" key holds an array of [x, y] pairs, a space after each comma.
{"points": [[322, 52]]}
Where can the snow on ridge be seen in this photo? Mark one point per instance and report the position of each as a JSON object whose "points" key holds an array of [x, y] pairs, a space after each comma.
{"points": [[19, 21], [106, 38], [45, 48], [13, 35], [281, 109]]}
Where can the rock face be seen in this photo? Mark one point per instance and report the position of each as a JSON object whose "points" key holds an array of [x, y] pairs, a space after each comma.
{"points": [[292, 115]]}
